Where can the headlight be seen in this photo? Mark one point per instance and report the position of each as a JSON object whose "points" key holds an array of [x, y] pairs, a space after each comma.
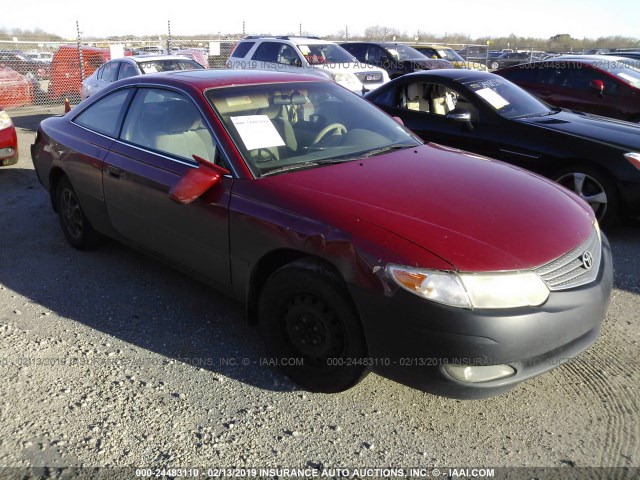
{"points": [[634, 158], [5, 120], [472, 290], [346, 79]]}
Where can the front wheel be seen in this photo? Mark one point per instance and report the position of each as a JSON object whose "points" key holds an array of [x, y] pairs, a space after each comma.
{"points": [[75, 225], [494, 65], [594, 188], [312, 329]]}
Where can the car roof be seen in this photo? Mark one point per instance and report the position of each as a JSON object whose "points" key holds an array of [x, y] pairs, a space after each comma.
{"points": [[146, 58], [589, 58], [291, 38], [216, 78], [457, 74]]}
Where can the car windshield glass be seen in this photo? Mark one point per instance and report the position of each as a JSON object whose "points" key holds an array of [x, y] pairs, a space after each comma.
{"points": [[507, 99], [627, 70], [449, 54], [282, 127], [402, 52], [153, 66], [318, 54]]}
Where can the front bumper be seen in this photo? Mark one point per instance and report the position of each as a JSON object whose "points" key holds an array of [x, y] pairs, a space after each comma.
{"points": [[410, 340]]}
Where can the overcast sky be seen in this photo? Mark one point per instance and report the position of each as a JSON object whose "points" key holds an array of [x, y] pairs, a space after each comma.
{"points": [[540, 18]]}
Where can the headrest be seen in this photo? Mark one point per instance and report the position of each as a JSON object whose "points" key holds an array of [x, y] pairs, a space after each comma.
{"points": [[415, 91], [241, 103]]}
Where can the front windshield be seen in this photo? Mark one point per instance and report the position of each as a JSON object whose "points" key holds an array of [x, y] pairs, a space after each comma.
{"points": [[153, 66], [279, 127], [318, 54], [450, 54], [507, 99], [403, 52]]}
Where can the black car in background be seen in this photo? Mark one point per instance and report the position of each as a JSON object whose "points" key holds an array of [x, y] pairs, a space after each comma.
{"points": [[514, 58], [596, 157], [396, 58]]}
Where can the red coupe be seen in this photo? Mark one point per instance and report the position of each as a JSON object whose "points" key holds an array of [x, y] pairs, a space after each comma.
{"points": [[355, 246]]}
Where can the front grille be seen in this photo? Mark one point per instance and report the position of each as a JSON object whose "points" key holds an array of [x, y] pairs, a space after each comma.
{"points": [[571, 269], [369, 77]]}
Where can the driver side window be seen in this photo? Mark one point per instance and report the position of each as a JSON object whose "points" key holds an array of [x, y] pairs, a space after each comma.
{"points": [[434, 98]]}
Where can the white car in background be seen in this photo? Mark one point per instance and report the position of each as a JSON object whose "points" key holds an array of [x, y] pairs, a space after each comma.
{"points": [[126, 67], [309, 55]]}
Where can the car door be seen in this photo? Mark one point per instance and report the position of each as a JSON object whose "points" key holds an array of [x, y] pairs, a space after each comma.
{"points": [[162, 130], [579, 95]]}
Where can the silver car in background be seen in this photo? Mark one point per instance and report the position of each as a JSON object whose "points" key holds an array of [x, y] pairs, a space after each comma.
{"points": [[126, 67]]}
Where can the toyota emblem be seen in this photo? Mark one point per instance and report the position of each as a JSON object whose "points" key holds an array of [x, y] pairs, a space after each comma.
{"points": [[587, 260]]}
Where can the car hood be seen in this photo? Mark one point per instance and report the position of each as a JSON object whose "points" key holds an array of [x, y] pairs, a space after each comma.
{"points": [[476, 213], [591, 127]]}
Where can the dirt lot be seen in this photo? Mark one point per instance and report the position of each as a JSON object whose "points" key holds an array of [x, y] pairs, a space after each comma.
{"points": [[110, 358]]}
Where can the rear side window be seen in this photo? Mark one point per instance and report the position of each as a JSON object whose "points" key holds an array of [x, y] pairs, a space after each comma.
{"points": [[105, 116], [357, 50], [267, 52], [108, 72], [242, 49], [127, 70]]}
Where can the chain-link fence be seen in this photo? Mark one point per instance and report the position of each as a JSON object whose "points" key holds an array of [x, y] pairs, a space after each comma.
{"points": [[38, 74]]}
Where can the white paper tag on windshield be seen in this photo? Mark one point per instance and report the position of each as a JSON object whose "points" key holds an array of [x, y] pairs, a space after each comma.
{"points": [[257, 131], [494, 99]]}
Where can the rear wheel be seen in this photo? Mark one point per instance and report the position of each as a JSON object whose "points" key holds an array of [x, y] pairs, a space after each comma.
{"points": [[76, 227], [593, 187], [311, 328], [494, 65]]}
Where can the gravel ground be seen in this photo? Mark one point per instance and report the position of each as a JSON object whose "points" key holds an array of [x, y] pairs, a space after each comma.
{"points": [[110, 358]]}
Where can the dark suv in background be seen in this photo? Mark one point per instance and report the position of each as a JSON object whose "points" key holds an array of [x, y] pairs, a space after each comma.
{"points": [[397, 59]]}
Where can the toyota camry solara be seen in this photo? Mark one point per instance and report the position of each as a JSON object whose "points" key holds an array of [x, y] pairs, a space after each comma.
{"points": [[355, 246]]}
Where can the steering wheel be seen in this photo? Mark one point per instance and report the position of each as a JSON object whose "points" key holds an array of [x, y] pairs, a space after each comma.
{"points": [[338, 127], [263, 155]]}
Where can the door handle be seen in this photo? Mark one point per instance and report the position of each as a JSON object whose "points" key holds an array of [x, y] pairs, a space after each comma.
{"points": [[116, 173]]}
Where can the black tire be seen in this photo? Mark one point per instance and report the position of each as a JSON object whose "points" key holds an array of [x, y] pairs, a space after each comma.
{"points": [[595, 187], [76, 227], [494, 65], [305, 313]]}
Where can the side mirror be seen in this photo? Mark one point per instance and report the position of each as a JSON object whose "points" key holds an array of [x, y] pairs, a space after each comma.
{"points": [[197, 181], [597, 86], [461, 115]]}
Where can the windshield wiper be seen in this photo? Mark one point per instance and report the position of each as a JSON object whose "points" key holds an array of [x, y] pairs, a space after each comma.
{"points": [[388, 148], [303, 165], [531, 115]]}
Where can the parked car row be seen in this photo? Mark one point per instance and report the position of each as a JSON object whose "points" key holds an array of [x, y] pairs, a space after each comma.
{"points": [[355, 245], [18, 61]]}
